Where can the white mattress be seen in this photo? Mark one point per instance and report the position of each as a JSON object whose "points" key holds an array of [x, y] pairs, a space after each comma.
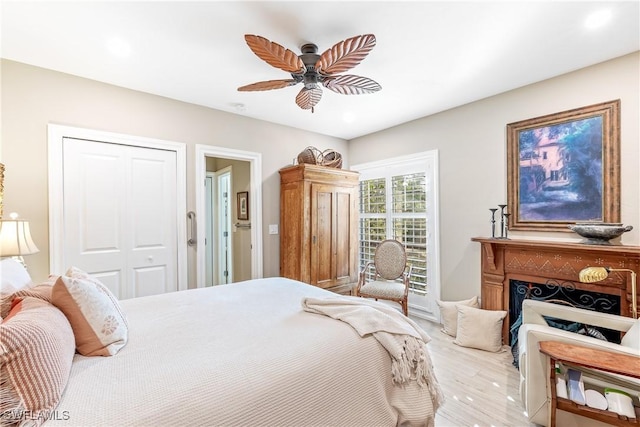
{"points": [[244, 354]]}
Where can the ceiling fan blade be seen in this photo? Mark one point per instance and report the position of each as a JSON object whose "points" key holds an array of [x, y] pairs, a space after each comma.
{"points": [[268, 85], [308, 98], [345, 55], [274, 54], [351, 85]]}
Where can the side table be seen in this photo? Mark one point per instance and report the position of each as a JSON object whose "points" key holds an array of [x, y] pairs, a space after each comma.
{"points": [[579, 356]]}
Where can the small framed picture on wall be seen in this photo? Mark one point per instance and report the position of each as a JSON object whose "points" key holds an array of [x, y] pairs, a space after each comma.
{"points": [[243, 206]]}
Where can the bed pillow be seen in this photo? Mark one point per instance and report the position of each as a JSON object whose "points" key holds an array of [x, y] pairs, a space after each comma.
{"points": [[36, 353], [449, 313], [13, 276], [481, 329], [99, 324], [41, 291]]}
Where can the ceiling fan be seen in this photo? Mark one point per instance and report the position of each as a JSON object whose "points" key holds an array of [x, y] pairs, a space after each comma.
{"points": [[313, 69]]}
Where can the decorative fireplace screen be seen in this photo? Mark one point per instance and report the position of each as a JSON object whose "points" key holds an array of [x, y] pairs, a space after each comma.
{"points": [[560, 293]]}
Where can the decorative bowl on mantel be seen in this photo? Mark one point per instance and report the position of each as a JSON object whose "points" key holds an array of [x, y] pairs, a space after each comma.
{"points": [[599, 233]]}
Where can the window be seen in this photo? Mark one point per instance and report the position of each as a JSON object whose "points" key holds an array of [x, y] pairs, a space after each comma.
{"points": [[398, 201], [404, 211]]}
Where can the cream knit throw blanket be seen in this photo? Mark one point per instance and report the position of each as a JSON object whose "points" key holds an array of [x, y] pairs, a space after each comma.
{"points": [[405, 341]]}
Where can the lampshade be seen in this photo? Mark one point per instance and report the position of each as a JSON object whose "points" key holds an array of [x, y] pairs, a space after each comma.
{"points": [[15, 238], [593, 274], [596, 274]]}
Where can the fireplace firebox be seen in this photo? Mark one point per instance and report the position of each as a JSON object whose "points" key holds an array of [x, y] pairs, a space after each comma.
{"points": [[564, 293]]}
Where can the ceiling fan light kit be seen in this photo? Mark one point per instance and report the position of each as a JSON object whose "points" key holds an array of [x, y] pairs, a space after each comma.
{"points": [[314, 70]]}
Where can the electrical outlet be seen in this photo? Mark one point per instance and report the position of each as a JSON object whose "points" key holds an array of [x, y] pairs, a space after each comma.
{"points": [[273, 228]]}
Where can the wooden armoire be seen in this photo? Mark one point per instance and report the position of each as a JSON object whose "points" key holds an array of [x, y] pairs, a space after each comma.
{"points": [[319, 226]]}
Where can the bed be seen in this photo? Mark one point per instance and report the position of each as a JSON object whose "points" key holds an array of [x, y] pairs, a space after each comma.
{"points": [[244, 354]]}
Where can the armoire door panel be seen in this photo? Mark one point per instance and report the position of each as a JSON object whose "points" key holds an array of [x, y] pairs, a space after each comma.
{"points": [[322, 235], [291, 232], [343, 228]]}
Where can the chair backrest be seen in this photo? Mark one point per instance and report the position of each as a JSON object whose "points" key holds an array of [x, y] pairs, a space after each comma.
{"points": [[390, 259]]}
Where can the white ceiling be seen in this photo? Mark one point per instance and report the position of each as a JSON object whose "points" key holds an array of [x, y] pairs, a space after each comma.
{"points": [[430, 56]]}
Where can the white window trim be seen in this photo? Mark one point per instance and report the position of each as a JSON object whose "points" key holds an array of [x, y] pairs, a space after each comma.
{"points": [[430, 159]]}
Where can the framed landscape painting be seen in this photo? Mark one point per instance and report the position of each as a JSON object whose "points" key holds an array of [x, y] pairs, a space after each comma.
{"points": [[564, 168]]}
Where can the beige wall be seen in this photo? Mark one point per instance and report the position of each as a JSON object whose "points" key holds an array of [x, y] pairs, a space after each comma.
{"points": [[34, 97], [472, 147]]}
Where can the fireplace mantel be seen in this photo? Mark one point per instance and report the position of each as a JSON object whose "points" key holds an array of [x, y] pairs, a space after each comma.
{"points": [[536, 261]]}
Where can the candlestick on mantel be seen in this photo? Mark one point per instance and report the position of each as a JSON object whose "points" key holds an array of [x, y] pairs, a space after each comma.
{"points": [[502, 220], [506, 224], [493, 222]]}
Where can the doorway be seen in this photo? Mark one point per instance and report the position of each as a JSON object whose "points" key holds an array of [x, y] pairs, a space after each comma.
{"points": [[218, 242], [246, 236]]}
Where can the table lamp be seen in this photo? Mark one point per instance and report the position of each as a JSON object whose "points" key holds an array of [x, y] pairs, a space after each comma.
{"points": [[15, 239], [596, 274]]}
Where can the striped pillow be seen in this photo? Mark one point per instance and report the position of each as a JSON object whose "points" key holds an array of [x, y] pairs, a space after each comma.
{"points": [[36, 352], [98, 322], [41, 291]]}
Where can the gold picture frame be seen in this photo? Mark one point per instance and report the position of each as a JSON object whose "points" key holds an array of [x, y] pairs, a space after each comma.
{"points": [[564, 168]]}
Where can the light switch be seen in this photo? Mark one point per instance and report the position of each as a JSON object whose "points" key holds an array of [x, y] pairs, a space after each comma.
{"points": [[273, 228]]}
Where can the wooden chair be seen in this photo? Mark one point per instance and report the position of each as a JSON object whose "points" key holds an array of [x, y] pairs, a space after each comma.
{"points": [[389, 264]]}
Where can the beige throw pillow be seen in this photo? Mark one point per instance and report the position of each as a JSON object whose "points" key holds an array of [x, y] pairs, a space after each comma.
{"points": [[481, 329], [449, 313], [99, 324]]}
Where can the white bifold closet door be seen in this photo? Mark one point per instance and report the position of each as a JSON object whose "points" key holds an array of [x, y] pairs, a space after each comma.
{"points": [[119, 215]]}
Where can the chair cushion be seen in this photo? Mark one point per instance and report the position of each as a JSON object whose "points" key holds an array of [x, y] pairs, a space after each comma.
{"points": [[390, 259], [382, 289]]}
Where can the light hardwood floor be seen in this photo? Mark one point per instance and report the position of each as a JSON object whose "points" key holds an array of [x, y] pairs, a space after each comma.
{"points": [[481, 388]]}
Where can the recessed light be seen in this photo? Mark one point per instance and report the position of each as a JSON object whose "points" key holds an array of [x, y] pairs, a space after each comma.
{"points": [[239, 107], [598, 19], [118, 47]]}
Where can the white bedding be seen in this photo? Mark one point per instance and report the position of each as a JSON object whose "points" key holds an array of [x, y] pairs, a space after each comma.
{"points": [[244, 354]]}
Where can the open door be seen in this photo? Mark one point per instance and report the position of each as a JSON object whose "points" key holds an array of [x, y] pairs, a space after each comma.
{"points": [[243, 256]]}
